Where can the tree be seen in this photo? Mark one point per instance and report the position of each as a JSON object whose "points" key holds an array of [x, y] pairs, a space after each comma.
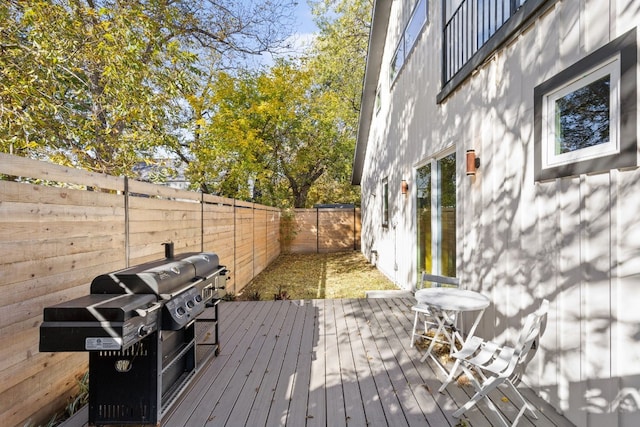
{"points": [[286, 136], [339, 56], [340, 50], [101, 84], [272, 135]]}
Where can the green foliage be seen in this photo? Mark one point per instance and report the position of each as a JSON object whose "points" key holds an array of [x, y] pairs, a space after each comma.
{"points": [[107, 84], [82, 398], [271, 136], [104, 84], [285, 136]]}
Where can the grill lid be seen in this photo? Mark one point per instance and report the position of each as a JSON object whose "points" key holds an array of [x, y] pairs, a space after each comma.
{"points": [[159, 278], [163, 278], [205, 263]]}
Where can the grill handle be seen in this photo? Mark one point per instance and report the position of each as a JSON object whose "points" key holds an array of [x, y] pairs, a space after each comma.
{"points": [[142, 312], [168, 249]]}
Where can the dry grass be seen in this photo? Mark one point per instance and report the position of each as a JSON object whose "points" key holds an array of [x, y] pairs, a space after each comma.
{"points": [[316, 276]]}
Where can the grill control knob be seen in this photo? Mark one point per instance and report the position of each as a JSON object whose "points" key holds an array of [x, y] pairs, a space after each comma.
{"points": [[198, 298], [142, 331], [181, 311], [190, 304]]}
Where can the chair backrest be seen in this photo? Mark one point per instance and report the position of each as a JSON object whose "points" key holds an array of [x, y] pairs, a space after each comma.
{"points": [[528, 340], [433, 281]]}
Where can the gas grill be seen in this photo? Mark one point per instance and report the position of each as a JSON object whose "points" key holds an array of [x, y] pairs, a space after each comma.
{"points": [[141, 327]]}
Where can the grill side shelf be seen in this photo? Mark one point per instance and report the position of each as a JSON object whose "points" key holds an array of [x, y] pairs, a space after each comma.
{"points": [[207, 335]]}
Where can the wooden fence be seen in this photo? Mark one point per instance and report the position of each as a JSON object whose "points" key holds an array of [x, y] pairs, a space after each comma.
{"points": [[322, 230], [61, 227]]}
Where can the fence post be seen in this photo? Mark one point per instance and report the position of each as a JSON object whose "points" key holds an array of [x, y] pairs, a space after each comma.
{"points": [[127, 249], [201, 221]]}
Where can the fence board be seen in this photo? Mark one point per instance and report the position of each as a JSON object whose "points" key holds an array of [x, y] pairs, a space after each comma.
{"points": [[28, 168], [326, 230]]}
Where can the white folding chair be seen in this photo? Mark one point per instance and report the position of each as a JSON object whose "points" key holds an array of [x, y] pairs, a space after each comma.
{"points": [[496, 365], [424, 311]]}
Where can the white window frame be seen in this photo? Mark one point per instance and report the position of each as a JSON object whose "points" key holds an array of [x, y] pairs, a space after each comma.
{"points": [[621, 53], [550, 159]]}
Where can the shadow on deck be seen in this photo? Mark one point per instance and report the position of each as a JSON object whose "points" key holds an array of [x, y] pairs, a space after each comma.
{"points": [[326, 362]]}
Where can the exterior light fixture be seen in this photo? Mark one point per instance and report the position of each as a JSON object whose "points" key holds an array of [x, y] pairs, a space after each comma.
{"points": [[404, 188], [473, 163]]}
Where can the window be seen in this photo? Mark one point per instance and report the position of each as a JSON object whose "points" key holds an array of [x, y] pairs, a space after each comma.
{"points": [[409, 37], [584, 116], [385, 202], [580, 119]]}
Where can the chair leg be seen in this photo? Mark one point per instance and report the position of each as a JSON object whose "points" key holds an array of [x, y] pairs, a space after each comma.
{"points": [[481, 392], [413, 331], [451, 376], [526, 406]]}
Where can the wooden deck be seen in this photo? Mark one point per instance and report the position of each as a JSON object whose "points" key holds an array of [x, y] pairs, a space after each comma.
{"points": [[327, 363]]}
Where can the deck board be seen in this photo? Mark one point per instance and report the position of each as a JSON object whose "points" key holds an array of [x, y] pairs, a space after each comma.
{"points": [[326, 362], [372, 406], [354, 409]]}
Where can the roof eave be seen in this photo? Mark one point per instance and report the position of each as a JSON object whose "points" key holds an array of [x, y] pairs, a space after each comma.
{"points": [[377, 38]]}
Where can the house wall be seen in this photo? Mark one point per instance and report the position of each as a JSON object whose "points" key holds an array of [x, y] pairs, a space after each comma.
{"points": [[572, 240]]}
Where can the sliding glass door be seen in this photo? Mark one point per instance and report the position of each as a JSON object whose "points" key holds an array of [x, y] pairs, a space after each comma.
{"points": [[436, 216]]}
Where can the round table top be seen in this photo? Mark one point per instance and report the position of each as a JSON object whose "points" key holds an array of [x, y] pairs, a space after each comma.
{"points": [[452, 299]]}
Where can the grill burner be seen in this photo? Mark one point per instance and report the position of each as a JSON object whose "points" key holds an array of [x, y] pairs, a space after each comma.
{"points": [[139, 326]]}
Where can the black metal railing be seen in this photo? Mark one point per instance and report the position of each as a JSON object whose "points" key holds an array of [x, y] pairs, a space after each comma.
{"points": [[469, 27]]}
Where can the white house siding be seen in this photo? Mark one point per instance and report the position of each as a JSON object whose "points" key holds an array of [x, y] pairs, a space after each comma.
{"points": [[575, 241]]}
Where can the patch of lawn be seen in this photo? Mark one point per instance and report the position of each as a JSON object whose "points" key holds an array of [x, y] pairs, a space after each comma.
{"points": [[316, 276]]}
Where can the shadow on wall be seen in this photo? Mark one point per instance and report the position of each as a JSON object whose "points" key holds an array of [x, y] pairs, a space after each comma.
{"points": [[603, 401]]}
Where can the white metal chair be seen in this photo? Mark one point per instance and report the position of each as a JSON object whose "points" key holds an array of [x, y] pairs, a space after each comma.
{"points": [[496, 365], [423, 310]]}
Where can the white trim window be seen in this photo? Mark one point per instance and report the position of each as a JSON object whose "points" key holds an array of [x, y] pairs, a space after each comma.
{"points": [[580, 119], [586, 115]]}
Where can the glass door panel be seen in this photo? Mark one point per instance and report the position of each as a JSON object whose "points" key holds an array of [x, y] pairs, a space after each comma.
{"points": [[424, 219], [447, 215], [436, 217]]}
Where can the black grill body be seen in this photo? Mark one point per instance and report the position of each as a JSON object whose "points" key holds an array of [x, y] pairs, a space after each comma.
{"points": [[139, 327]]}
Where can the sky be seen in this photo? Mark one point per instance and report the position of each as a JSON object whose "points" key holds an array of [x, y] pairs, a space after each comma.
{"points": [[305, 25], [304, 30]]}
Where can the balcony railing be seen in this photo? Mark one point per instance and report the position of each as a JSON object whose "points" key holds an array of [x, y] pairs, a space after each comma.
{"points": [[469, 27]]}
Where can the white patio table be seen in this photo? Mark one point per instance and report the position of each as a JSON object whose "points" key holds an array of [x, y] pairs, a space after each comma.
{"points": [[446, 304]]}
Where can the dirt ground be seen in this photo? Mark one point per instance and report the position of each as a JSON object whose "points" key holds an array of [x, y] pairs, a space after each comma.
{"points": [[313, 276]]}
